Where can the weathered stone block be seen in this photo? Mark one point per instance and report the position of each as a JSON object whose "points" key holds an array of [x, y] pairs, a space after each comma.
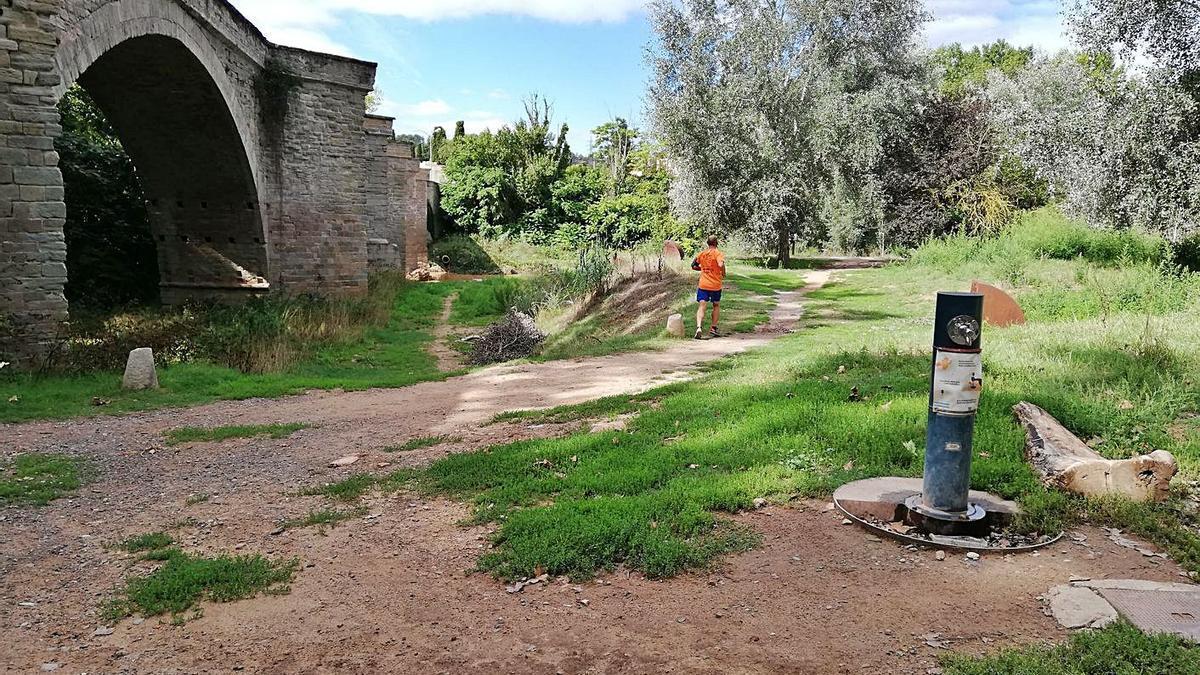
{"points": [[139, 370]]}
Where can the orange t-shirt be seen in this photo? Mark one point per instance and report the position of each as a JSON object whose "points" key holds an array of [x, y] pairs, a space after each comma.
{"points": [[712, 269]]}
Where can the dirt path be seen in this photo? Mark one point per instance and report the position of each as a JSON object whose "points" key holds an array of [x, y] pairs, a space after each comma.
{"points": [[448, 360], [388, 593]]}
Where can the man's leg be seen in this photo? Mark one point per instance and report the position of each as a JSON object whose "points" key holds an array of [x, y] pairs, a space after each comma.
{"points": [[716, 316], [700, 318]]}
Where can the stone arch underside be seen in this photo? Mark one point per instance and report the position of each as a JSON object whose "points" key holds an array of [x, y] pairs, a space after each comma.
{"points": [[191, 161]]}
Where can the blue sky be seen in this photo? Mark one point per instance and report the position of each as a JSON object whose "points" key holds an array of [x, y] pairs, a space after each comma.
{"points": [[474, 60]]}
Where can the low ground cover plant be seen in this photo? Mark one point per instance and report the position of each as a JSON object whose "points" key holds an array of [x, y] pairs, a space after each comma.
{"points": [[215, 434], [38, 479]]}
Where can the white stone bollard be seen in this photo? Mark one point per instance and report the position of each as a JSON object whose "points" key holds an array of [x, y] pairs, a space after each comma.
{"points": [[139, 370], [675, 325]]}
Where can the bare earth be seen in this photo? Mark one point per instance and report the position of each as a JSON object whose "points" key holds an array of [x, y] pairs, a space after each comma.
{"points": [[390, 592]]}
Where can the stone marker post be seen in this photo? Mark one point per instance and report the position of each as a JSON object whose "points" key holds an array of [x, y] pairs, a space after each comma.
{"points": [[139, 370]]}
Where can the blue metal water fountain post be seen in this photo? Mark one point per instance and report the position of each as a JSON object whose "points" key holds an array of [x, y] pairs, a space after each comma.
{"points": [[943, 506]]}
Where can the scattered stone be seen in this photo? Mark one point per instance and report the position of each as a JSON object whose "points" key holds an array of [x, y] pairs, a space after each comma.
{"points": [[427, 272], [102, 631], [847, 521], [940, 555], [49, 667], [344, 461], [1079, 607], [278, 531], [759, 502], [972, 555], [675, 326], [139, 621], [139, 370]]}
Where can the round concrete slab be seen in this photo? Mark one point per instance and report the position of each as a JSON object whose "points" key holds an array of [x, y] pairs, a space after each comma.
{"points": [[876, 501]]}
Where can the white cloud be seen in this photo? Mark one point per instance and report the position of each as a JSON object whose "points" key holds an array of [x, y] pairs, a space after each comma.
{"points": [[302, 23], [426, 108], [422, 117], [1022, 22]]}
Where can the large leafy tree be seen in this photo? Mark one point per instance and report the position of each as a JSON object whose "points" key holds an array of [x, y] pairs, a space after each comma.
{"points": [[772, 111]]}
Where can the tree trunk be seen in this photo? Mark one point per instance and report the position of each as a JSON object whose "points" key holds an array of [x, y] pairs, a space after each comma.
{"points": [[1067, 463], [783, 251]]}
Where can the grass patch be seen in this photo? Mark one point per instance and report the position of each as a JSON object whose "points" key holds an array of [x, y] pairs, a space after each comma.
{"points": [[386, 349], [215, 434], [146, 542], [347, 490], [1120, 649], [186, 580], [38, 479], [195, 499], [418, 443], [323, 518]]}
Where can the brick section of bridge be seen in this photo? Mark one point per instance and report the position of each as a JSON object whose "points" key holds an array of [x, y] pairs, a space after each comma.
{"points": [[239, 204], [33, 251]]}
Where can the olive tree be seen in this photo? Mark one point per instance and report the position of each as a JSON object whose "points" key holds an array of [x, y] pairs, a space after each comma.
{"points": [[772, 111]]}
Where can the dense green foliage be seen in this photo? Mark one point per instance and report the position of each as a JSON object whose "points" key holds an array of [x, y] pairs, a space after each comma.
{"points": [[964, 69], [111, 258], [521, 182]]}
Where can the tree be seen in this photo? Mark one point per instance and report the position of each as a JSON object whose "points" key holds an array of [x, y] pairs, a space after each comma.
{"points": [[437, 145], [1168, 31], [965, 69], [373, 101], [420, 145], [460, 129], [612, 143], [1121, 151], [772, 111], [111, 255]]}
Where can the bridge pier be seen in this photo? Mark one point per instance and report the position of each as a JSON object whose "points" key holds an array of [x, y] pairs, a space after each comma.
{"points": [[245, 197]]}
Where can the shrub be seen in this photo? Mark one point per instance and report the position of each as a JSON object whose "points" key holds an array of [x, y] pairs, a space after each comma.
{"points": [[462, 255]]}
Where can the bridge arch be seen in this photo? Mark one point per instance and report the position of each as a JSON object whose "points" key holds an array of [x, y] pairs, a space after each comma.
{"points": [[167, 92]]}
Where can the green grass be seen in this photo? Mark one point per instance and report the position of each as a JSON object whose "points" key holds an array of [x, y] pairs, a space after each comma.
{"points": [[152, 541], [185, 580], [214, 434], [38, 479], [1119, 649], [347, 490], [195, 499], [323, 518], [778, 422], [418, 443]]}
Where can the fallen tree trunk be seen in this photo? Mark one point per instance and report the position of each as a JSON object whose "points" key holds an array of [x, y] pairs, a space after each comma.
{"points": [[1067, 463]]}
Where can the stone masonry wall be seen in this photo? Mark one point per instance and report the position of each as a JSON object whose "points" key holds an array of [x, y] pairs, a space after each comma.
{"points": [[33, 251], [396, 199], [317, 209], [243, 203]]}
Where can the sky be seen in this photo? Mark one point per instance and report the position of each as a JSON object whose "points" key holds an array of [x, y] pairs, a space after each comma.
{"points": [[475, 60]]}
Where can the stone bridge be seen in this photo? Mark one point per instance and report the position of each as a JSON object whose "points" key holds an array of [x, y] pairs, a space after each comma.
{"points": [[260, 170]]}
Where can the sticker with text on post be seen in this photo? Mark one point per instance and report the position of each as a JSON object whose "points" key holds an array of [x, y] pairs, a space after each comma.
{"points": [[957, 382]]}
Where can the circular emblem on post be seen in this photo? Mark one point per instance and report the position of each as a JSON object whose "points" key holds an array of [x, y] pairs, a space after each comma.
{"points": [[963, 330]]}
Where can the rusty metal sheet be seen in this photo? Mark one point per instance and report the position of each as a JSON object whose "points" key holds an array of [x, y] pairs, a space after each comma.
{"points": [[1158, 611]]}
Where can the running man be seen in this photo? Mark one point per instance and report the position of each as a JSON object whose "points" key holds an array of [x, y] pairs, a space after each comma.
{"points": [[711, 265]]}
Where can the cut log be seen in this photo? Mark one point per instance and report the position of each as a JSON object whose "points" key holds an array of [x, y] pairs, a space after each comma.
{"points": [[1067, 463]]}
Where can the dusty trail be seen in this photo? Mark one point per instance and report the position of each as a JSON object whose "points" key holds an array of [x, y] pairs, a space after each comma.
{"points": [[388, 593]]}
